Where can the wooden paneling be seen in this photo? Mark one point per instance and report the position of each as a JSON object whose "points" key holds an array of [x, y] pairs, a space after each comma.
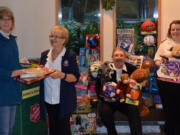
{"points": [[159, 23], [114, 26], [57, 11], [101, 31]]}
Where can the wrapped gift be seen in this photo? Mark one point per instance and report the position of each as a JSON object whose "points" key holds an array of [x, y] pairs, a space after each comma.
{"points": [[32, 75]]}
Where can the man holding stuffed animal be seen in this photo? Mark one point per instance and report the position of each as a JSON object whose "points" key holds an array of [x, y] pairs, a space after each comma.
{"points": [[107, 108]]}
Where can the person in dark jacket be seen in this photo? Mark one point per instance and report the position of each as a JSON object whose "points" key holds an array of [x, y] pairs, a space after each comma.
{"points": [[57, 92], [10, 94], [107, 109]]}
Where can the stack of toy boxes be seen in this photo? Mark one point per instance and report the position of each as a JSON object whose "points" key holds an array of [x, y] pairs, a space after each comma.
{"points": [[88, 56]]}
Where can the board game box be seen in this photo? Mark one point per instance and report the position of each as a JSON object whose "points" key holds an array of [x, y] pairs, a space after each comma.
{"points": [[32, 75]]}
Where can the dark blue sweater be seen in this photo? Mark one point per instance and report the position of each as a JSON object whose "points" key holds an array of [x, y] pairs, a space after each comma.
{"points": [[68, 92], [10, 93]]}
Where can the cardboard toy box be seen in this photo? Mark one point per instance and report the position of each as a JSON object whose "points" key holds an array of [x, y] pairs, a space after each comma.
{"points": [[83, 124], [88, 56], [82, 53], [169, 71], [83, 104], [83, 79]]}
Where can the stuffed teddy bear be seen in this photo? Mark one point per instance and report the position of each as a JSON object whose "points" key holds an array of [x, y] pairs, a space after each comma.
{"points": [[148, 64], [130, 87], [174, 52], [135, 83], [139, 76], [122, 88]]}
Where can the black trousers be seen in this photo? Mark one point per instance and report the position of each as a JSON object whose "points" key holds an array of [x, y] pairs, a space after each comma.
{"points": [[106, 111], [169, 93], [58, 127]]}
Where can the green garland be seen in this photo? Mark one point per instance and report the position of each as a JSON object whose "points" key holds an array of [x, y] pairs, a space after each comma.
{"points": [[108, 4]]}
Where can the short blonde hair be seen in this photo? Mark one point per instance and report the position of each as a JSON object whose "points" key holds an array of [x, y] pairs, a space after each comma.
{"points": [[4, 11], [64, 32], [119, 49]]}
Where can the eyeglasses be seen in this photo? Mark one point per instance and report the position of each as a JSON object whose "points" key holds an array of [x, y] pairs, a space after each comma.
{"points": [[56, 36], [6, 19]]}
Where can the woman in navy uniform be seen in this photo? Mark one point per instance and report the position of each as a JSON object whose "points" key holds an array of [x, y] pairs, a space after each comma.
{"points": [[57, 92]]}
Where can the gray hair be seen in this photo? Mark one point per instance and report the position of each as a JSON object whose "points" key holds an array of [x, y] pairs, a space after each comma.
{"points": [[119, 49]]}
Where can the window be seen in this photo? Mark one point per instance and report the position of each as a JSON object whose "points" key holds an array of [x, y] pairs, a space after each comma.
{"points": [[130, 14], [136, 9], [80, 17]]}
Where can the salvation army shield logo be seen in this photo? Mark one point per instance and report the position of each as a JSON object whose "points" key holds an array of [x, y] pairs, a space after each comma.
{"points": [[66, 63], [35, 113]]}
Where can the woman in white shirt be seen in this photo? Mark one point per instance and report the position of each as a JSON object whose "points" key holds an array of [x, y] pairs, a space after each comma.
{"points": [[57, 92], [169, 91]]}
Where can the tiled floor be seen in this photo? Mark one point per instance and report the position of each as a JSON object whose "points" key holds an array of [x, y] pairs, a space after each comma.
{"points": [[143, 134], [130, 134], [124, 130]]}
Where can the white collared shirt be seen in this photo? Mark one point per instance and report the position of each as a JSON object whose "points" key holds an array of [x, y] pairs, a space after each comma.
{"points": [[119, 72], [6, 35], [52, 86]]}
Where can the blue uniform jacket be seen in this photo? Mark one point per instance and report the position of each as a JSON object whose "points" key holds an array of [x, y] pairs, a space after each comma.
{"points": [[67, 90], [10, 93]]}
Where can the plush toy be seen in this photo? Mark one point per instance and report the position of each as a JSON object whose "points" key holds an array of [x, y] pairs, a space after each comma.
{"points": [[174, 52], [136, 79], [109, 91], [149, 40], [139, 76], [108, 69], [148, 64], [95, 70], [102, 75], [122, 88]]}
